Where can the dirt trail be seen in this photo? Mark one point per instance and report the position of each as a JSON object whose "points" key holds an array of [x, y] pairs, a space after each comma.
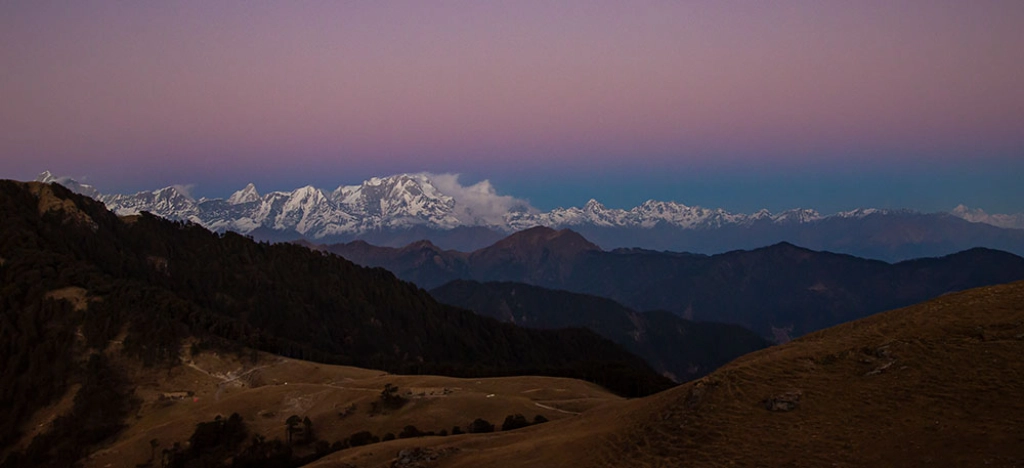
{"points": [[552, 408]]}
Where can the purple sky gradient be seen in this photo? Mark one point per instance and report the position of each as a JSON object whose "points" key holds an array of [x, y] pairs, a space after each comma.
{"points": [[137, 95]]}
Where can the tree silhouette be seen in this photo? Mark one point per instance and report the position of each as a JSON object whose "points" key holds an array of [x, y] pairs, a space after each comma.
{"points": [[307, 430], [409, 431], [362, 438], [480, 426], [292, 425], [514, 422], [389, 400]]}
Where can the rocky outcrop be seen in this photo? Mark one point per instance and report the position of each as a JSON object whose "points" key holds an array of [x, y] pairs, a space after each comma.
{"points": [[783, 402]]}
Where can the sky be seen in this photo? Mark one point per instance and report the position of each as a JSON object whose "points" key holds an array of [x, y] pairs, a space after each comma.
{"points": [[742, 105]]}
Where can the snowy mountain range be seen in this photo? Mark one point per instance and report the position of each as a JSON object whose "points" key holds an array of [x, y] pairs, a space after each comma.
{"points": [[428, 204], [396, 202], [977, 215]]}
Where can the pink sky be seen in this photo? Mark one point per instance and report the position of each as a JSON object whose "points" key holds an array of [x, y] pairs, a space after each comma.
{"points": [[143, 88]]}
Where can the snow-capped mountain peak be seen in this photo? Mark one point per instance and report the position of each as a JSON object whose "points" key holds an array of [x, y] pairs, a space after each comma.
{"points": [[246, 195], [47, 177], [859, 213], [435, 201], [593, 205], [173, 192], [399, 200], [978, 215], [797, 215]]}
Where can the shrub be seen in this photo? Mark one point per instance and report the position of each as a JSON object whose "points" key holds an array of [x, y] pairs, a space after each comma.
{"points": [[409, 431], [514, 422], [480, 426], [362, 438]]}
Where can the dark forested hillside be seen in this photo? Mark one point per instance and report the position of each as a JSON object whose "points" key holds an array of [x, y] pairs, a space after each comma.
{"points": [[780, 291], [75, 277], [684, 349]]}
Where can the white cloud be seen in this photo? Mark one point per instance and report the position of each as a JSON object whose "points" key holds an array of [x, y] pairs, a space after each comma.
{"points": [[184, 189], [478, 203]]}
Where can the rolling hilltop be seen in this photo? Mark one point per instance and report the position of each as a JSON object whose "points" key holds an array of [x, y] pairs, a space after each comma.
{"points": [[780, 291]]}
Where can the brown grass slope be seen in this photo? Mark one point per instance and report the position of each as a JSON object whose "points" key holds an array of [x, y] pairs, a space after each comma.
{"points": [[939, 383], [267, 392], [935, 384]]}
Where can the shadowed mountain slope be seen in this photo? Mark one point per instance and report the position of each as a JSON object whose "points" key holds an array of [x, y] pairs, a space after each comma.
{"points": [[679, 348], [780, 291]]}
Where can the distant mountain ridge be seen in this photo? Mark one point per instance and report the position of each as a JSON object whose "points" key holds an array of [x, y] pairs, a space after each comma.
{"points": [[977, 215], [399, 209], [678, 348], [780, 291]]}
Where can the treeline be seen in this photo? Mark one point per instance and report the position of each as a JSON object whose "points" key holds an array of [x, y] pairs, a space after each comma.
{"points": [[215, 442]]}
